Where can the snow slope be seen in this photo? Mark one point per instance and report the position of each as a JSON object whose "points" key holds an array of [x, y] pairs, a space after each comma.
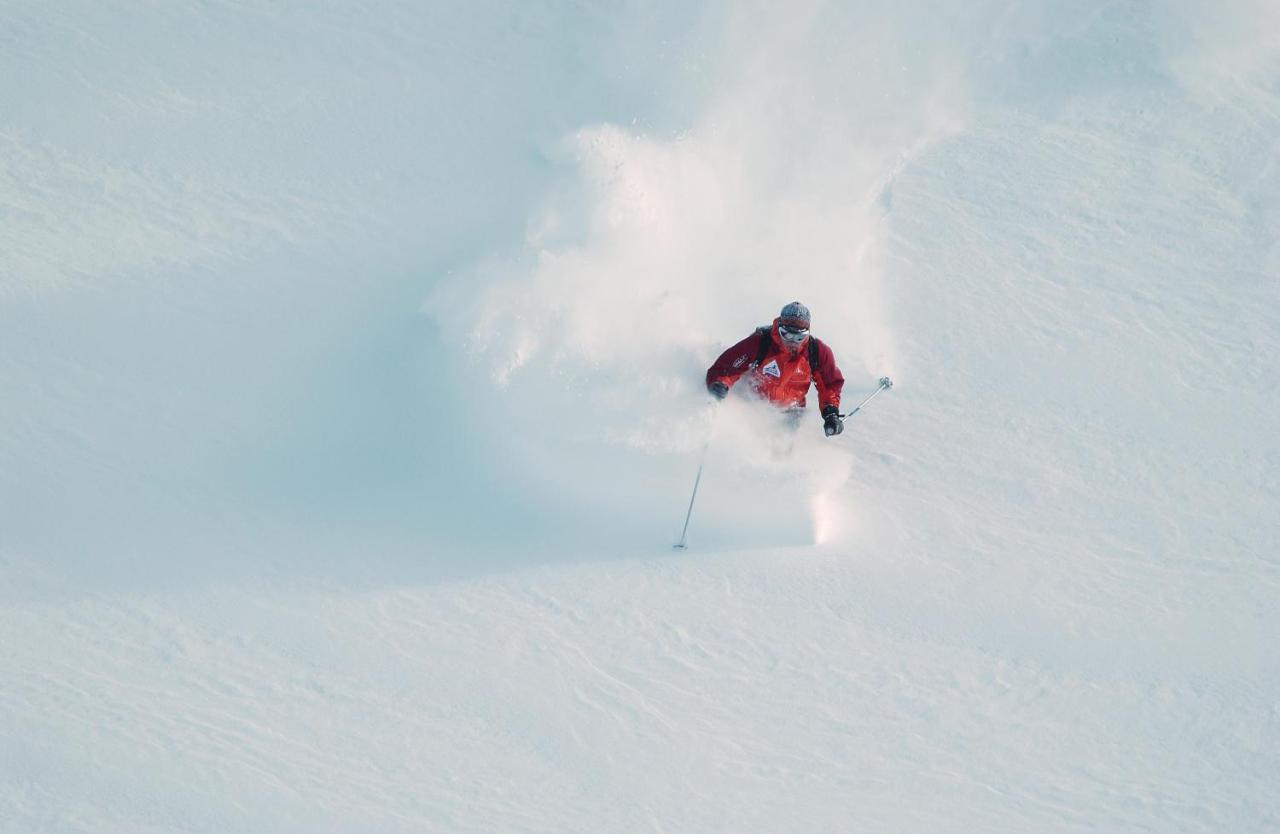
{"points": [[350, 362]]}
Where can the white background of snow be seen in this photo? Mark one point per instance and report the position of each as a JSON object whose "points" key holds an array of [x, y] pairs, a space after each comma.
{"points": [[350, 367]]}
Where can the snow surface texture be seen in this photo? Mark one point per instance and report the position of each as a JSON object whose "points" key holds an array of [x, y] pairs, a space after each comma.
{"points": [[350, 399]]}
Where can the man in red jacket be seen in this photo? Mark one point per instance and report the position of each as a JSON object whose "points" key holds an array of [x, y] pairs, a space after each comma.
{"points": [[779, 362]]}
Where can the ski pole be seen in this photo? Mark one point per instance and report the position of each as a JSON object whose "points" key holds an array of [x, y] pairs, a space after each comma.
{"points": [[684, 534], [885, 384]]}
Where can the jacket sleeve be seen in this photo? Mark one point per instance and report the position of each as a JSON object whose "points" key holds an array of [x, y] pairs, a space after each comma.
{"points": [[734, 362], [828, 378]]}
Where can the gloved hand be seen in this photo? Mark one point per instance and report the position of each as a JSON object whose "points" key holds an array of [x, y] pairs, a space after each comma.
{"points": [[718, 390], [831, 422]]}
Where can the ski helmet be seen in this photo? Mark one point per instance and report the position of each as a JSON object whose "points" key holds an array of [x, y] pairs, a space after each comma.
{"points": [[795, 315], [793, 326]]}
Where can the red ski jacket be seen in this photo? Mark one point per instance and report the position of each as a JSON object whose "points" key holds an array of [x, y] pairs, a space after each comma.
{"points": [[781, 376]]}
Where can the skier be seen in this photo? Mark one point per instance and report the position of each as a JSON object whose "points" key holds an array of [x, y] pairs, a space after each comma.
{"points": [[779, 361]]}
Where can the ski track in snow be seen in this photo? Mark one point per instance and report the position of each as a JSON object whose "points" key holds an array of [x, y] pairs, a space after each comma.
{"points": [[350, 397]]}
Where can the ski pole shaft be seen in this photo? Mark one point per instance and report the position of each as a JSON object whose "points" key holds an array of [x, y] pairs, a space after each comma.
{"points": [[684, 534], [885, 384], [702, 461]]}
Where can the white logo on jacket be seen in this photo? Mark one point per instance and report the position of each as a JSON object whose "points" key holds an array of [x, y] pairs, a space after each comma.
{"points": [[772, 369]]}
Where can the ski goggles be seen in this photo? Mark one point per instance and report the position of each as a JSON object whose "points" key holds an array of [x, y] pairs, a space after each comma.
{"points": [[794, 335]]}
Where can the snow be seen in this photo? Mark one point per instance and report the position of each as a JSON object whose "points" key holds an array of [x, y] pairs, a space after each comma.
{"points": [[350, 400]]}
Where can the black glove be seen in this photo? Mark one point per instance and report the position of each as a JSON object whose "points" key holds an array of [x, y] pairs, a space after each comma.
{"points": [[831, 422], [718, 390]]}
